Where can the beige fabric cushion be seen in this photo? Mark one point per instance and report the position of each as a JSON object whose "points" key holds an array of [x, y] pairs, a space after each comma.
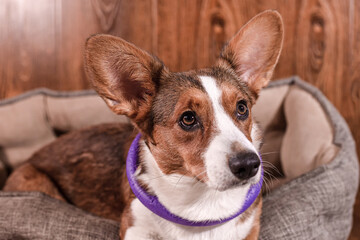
{"points": [[298, 136], [308, 141], [24, 129], [30, 121], [67, 114], [269, 113], [269, 104]]}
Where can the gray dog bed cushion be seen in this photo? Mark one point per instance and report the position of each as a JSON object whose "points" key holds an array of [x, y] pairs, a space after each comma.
{"points": [[305, 138]]}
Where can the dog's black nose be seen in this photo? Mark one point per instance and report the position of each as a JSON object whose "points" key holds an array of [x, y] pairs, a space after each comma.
{"points": [[244, 165]]}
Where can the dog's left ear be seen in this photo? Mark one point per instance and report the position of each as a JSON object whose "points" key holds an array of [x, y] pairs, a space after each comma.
{"points": [[125, 76], [254, 51]]}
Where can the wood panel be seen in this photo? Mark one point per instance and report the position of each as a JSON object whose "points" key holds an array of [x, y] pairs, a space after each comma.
{"points": [[27, 46], [41, 42]]}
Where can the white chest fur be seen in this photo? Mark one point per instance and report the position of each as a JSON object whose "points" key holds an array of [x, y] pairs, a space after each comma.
{"points": [[190, 199], [147, 225]]}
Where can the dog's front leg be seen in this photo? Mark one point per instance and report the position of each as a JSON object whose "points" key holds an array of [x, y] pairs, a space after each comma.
{"points": [[255, 230], [137, 222], [141, 234]]}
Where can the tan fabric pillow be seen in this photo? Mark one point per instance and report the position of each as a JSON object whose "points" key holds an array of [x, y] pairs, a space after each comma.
{"points": [[298, 136], [67, 114], [308, 141], [24, 128]]}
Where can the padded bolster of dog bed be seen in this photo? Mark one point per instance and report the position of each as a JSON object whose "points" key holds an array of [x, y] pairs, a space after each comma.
{"points": [[298, 134], [310, 141], [34, 215], [316, 203], [30, 121]]}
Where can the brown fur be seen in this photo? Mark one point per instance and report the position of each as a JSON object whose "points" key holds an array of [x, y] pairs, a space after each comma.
{"points": [[125, 76], [28, 178], [126, 217], [185, 148], [255, 230], [88, 168]]}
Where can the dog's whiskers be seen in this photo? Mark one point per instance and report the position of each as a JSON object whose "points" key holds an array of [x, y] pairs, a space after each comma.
{"points": [[270, 165], [268, 179], [266, 185], [196, 176], [178, 181], [267, 153]]}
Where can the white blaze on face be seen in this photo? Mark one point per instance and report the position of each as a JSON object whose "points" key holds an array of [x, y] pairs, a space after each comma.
{"points": [[219, 149]]}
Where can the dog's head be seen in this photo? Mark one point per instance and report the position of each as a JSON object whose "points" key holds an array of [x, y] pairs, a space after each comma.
{"points": [[197, 123]]}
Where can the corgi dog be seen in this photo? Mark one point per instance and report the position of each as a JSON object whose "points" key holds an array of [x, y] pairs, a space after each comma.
{"points": [[188, 167]]}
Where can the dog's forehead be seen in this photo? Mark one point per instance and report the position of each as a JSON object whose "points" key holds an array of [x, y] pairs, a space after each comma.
{"points": [[223, 75], [168, 94], [226, 78], [174, 85]]}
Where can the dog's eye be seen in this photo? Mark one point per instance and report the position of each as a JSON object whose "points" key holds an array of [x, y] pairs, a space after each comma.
{"points": [[242, 111], [188, 120]]}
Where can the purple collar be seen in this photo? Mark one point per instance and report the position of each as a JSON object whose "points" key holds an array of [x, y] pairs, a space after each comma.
{"points": [[152, 202]]}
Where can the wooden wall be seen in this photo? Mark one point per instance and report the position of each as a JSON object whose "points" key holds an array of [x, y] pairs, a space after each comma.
{"points": [[41, 41]]}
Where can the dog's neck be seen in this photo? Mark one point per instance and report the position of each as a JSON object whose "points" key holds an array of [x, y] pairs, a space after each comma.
{"points": [[186, 197]]}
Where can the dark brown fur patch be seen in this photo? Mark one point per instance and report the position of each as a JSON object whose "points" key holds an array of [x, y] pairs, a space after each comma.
{"points": [[180, 151], [88, 167], [27, 178]]}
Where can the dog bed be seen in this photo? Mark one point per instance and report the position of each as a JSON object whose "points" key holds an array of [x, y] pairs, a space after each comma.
{"points": [[305, 138]]}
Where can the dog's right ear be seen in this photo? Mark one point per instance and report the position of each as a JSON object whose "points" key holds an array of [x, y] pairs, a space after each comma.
{"points": [[254, 51], [125, 76]]}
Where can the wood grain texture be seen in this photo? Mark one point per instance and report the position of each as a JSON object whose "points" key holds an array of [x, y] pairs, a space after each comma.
{"points": [[28, 34], [41, 42]]}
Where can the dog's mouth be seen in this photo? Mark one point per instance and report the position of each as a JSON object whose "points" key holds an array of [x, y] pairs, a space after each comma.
{"points": [[235, 183], [232, 185]]}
